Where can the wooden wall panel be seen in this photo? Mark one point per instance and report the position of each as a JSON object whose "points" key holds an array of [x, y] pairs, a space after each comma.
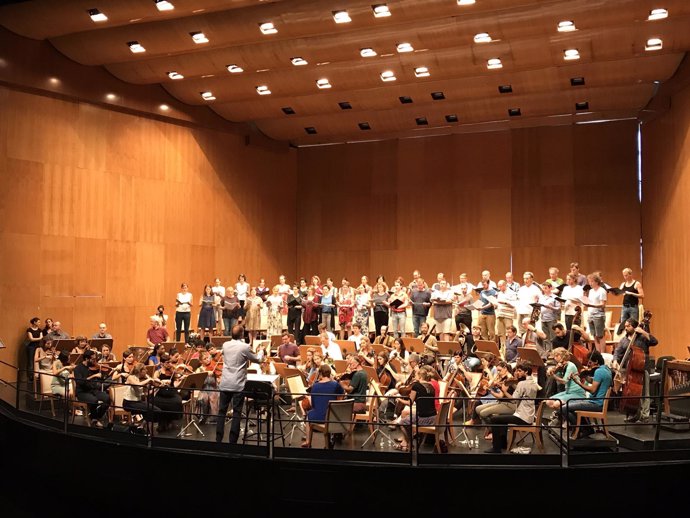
{"points": [[665, 238], [105, 214]]}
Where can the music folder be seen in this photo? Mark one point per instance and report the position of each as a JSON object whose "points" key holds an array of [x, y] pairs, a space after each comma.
{"points": [[396, 303]]}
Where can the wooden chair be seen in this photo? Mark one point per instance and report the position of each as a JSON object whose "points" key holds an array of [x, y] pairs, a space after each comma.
{"points": [[44, 391], [535, 430], [75, 404], [338, 420], [438, 429], [370, 416], [117, 393], [594, 416]]}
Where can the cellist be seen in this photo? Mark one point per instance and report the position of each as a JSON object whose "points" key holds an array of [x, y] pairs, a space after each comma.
{"points": [[643, 340]]}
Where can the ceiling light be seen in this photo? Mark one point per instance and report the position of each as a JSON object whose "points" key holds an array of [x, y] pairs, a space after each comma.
{"points": [[582, 106], [654, 44], [364, 126], [514, 112], [566, 26], [234, 69], [381, 10], [298, 62], [421, 72], [263, 90], [421, 121], [388, 75], [164, 107], [267, 28], [175, 75], [96, 15], [571, 54], [288, 110], [207, 96], [344, 105], [111, 97], [341, 17], [451, 118], [505, 89], [482, 37], [437, 96], [494, 63], [404, 47], [405, 99], [367, 52], [657, 14], [311, 130], [136, 47], [199, 37], [164, 5], [466, 2], [323, 83], [577, 81]]}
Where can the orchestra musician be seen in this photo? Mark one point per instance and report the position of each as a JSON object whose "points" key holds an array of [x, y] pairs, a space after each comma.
{"points": [[155, 357], [563, 372], [121, 372], [323, 391], [82, 344], [356, 336], [106, 354], [598, 387], [62, 371], [157, 334], [133, 400], [167, 398], [423, 393], [329, 348], [89, 379], [288, 351], [357, 389]]}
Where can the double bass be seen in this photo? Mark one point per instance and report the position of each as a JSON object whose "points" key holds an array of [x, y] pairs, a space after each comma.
{"points": [[631, 372]]}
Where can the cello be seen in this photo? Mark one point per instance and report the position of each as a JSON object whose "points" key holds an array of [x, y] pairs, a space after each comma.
{"points": [[631, 372], [579, 351]]}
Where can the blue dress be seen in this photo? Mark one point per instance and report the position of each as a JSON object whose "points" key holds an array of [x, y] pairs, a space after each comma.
{"points": [[321, 394], [207, 317]]}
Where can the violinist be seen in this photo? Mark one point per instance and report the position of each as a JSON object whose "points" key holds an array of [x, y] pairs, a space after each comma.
{"points": [[88, 379], [366, 352], [62, 371], [423, 393], [106, 354], [328, 346], [403, 387], [207, 399], [308, 365], [598, 387], [313, 373], [357, 389], [643, 340], [44, 356], [82, 344], [155, 356], [167, 398], [121, 372], [499, 405], [178, 364], [132, 401], [563, 373], [399, 351], [323, 391]]}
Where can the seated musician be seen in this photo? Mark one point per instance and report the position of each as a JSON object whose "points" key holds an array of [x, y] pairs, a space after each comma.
{"points": [[430, 342], [499, 405], [562, 336], [400, 407], [601, 381], [132, 400], [288, 351], [366, 352], [323, 329], [357, 388], [399, 351], [178, 364], [356, 336], [643, 340], [155, 357], [44, 356], [208, 397], [167, 398], [423, 394], [323, 391], [82, 344], [121, 372], [106, 354], [62, 371], [329, 348], [386, 373], [89, 382], [533, 337], [564, 372], [524, 395], [384, 338], [308, 365]]}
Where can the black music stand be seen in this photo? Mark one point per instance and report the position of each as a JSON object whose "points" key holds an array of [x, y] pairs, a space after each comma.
{"points": [[192, 382], [259, 397]]}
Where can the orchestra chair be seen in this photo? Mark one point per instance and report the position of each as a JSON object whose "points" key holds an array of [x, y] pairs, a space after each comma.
{"points": [[535, 430], [594, 416], [338, 420], [43, 391], [370, 416], [438, 429], [193, 383], [298, 392], [117, 393], [312, 340], [74, 404]]}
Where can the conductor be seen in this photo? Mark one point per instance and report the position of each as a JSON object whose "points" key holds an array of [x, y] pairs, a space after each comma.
{"points": [[236, 354]]}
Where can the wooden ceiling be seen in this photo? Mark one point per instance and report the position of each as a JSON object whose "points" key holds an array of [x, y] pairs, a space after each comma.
{"points": [[620, 76]]}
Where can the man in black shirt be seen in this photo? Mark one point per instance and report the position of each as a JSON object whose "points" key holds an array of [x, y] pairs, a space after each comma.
{"points": [[89, 387]]}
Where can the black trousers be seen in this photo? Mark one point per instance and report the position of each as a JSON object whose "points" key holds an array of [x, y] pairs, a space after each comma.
{"points": [[293, 321], [463, 318], [500, 433], [311, 329], [380, 319], [237, 399], [98, 402], [182, 319], [149, 413]]}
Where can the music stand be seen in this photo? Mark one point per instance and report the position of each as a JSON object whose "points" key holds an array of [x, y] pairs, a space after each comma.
{"points": [[192, 383], [169, 346], [414, 345], [372, 375], [298, 392], [345, 346], [487, 346], [312, 340], [340, 366], [260, 395], [218, 341], [376, 428], [530, 354], [463, 431], [98, 343], [447, 348], [64, 344]]}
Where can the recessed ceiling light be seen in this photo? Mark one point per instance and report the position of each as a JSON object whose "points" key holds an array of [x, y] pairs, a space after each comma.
{"points": [[288, 110], [267, 28], [311, 130], [164, 5], [405, 99], [111, 97], [263, 90], [207, 96], [451, 118], [482, 37], [298, 62], [367, 52], [494, 63], [388, 75], [566, 26], [421, 121], [571, 54], [341, 17], [198, 37], [437, 96], [514, 112], [234, 69], [421, 72], [582, 106], [466, 2], [96, 15], [175, 75], [381, 10], [164, 107], [505, 89], [654, 44], [657, 14], [364, 126], [577, 81], [323, 83], [54, 81], [136, 47], [404, 47]]}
